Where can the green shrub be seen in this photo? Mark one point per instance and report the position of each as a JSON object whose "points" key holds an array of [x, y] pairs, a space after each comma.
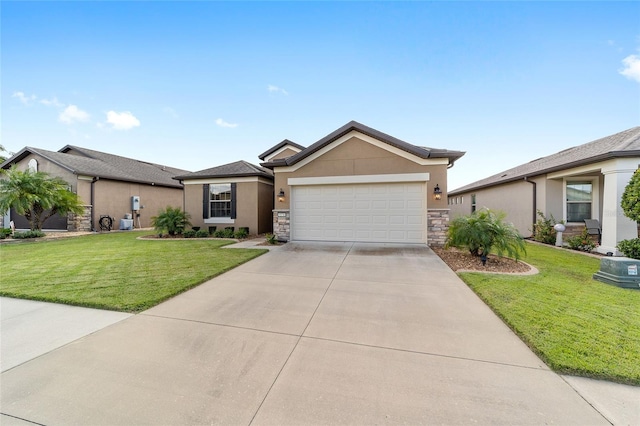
{"points": [[483, 232], [28, 234], [543, 231], [630, 248], [191, 233], [224, 233], [241, 233], [582, 242], [271, 238], [4, 233], [171, 219], [201, 233]]}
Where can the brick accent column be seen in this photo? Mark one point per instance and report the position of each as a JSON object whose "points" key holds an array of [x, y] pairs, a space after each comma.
{"points": [[437, 227], [281, 224], [80, 222]]}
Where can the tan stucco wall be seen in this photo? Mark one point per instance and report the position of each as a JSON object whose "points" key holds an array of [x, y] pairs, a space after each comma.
{"points": [[52, 169], [113, 198], [288, 152], [357, 157], [253, 206], [514, 198]]}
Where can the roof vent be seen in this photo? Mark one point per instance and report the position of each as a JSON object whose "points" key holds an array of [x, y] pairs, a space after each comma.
{"points": [[504, 175]]}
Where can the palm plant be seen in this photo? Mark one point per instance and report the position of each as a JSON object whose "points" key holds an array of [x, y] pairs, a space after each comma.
{"points": [[485, 231], [37, 196], [171, 219]]}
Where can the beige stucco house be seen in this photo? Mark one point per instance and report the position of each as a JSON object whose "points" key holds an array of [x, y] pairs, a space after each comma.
{"points": [[583, 182], [359, 184], [237, 195], [106, 183]]}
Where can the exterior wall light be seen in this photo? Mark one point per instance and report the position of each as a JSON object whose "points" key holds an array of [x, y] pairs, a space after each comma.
{"points": [[437, 193], [281, 195]]}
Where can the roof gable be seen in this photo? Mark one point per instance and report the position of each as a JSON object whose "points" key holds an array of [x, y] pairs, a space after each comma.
{"points": [[89, 162], [623, 144], [354, 126], [279, 148], [236, 169]]}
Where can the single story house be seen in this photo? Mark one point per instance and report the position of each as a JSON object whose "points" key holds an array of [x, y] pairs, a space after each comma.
{"points": [[583, 182], [359, 184], [109, 185], [355, 184], [237, 195]]}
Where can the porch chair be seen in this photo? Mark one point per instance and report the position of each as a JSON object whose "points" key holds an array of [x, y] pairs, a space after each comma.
{"points": [[594, 228]]}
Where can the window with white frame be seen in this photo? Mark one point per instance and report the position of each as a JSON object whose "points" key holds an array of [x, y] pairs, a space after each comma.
{"points": [[220, 200], [579, 200]]}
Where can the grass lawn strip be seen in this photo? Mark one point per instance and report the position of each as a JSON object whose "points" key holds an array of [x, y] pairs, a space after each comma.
{"points": [[577, 325], [113, 271]]}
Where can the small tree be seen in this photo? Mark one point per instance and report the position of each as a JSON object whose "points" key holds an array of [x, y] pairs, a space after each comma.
{"points": [[631, 198], [37, 196], [485, 231], [171, 219]]}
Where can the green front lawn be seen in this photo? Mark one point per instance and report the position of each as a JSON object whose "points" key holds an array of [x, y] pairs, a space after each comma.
{"points": [[113, 271], [577, 325]]}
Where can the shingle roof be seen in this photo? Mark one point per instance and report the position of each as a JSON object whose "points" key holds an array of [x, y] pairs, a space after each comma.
{"points": [[422, 152], [278, 146], [236, 169], [623, 144], [100, 164]]}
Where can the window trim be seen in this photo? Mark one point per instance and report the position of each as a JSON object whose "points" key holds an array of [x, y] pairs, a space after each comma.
{"points": [[595, 195], [206, 203]]}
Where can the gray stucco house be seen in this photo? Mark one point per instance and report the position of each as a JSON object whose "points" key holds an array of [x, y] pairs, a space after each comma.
{"points": [[582, 182]]}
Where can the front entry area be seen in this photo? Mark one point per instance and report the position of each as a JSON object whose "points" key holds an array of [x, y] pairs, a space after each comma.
{"points": [[367, 212]]}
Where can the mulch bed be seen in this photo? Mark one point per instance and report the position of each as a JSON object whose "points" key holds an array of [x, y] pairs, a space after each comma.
{"points": [[459, 260]]}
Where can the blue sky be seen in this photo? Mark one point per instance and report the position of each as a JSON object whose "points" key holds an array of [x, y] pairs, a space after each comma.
{"points": [[198, 84]]}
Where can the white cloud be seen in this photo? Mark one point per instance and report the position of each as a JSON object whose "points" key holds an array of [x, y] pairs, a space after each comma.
{"points": [[122, 120], [631, 68], [220, 122], [52, 102], [73, 114], [24, 98], [275, 89]]}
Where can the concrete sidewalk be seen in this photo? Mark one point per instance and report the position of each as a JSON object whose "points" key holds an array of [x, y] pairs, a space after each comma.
{"points": [[306, 334], [30, 329]]}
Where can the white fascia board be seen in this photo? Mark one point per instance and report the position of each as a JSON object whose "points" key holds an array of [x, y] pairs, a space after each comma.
{"points": [[589, 168], [284, 148], [84, 177], [227, 180], [372, 141], [337, 180]]}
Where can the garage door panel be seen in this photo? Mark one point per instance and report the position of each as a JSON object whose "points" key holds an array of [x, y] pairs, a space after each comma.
{"points": [[393, 212]]}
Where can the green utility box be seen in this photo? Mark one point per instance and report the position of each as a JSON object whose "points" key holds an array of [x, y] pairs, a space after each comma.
{"points": [[620, 271]]}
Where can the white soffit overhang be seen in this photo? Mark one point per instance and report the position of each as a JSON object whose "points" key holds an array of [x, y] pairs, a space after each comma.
{"points": [[342, 180], [372, 141]]}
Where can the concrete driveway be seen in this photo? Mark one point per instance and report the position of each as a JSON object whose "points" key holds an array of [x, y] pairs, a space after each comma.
{"points": [[335, 333]]}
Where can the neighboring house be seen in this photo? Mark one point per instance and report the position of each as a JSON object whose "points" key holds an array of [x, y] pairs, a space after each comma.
{"points": [[583, 182], [359, 184], [106, 184], [238, 195]]}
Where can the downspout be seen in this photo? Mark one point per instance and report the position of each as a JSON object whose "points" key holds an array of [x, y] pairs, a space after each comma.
{"points": [[93, 204], [535, 205]]}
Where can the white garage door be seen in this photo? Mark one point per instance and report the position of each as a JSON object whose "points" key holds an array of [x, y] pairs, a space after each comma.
{"points": [[380, 212]]}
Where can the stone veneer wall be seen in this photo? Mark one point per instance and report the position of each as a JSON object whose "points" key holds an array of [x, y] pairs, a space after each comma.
{"points": [[437, 227], [80, 222], [281, 224]]}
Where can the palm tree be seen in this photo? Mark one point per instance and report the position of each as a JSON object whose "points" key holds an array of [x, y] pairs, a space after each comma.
{"points": [[485, 231], [172, 219], [37, 196]]}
